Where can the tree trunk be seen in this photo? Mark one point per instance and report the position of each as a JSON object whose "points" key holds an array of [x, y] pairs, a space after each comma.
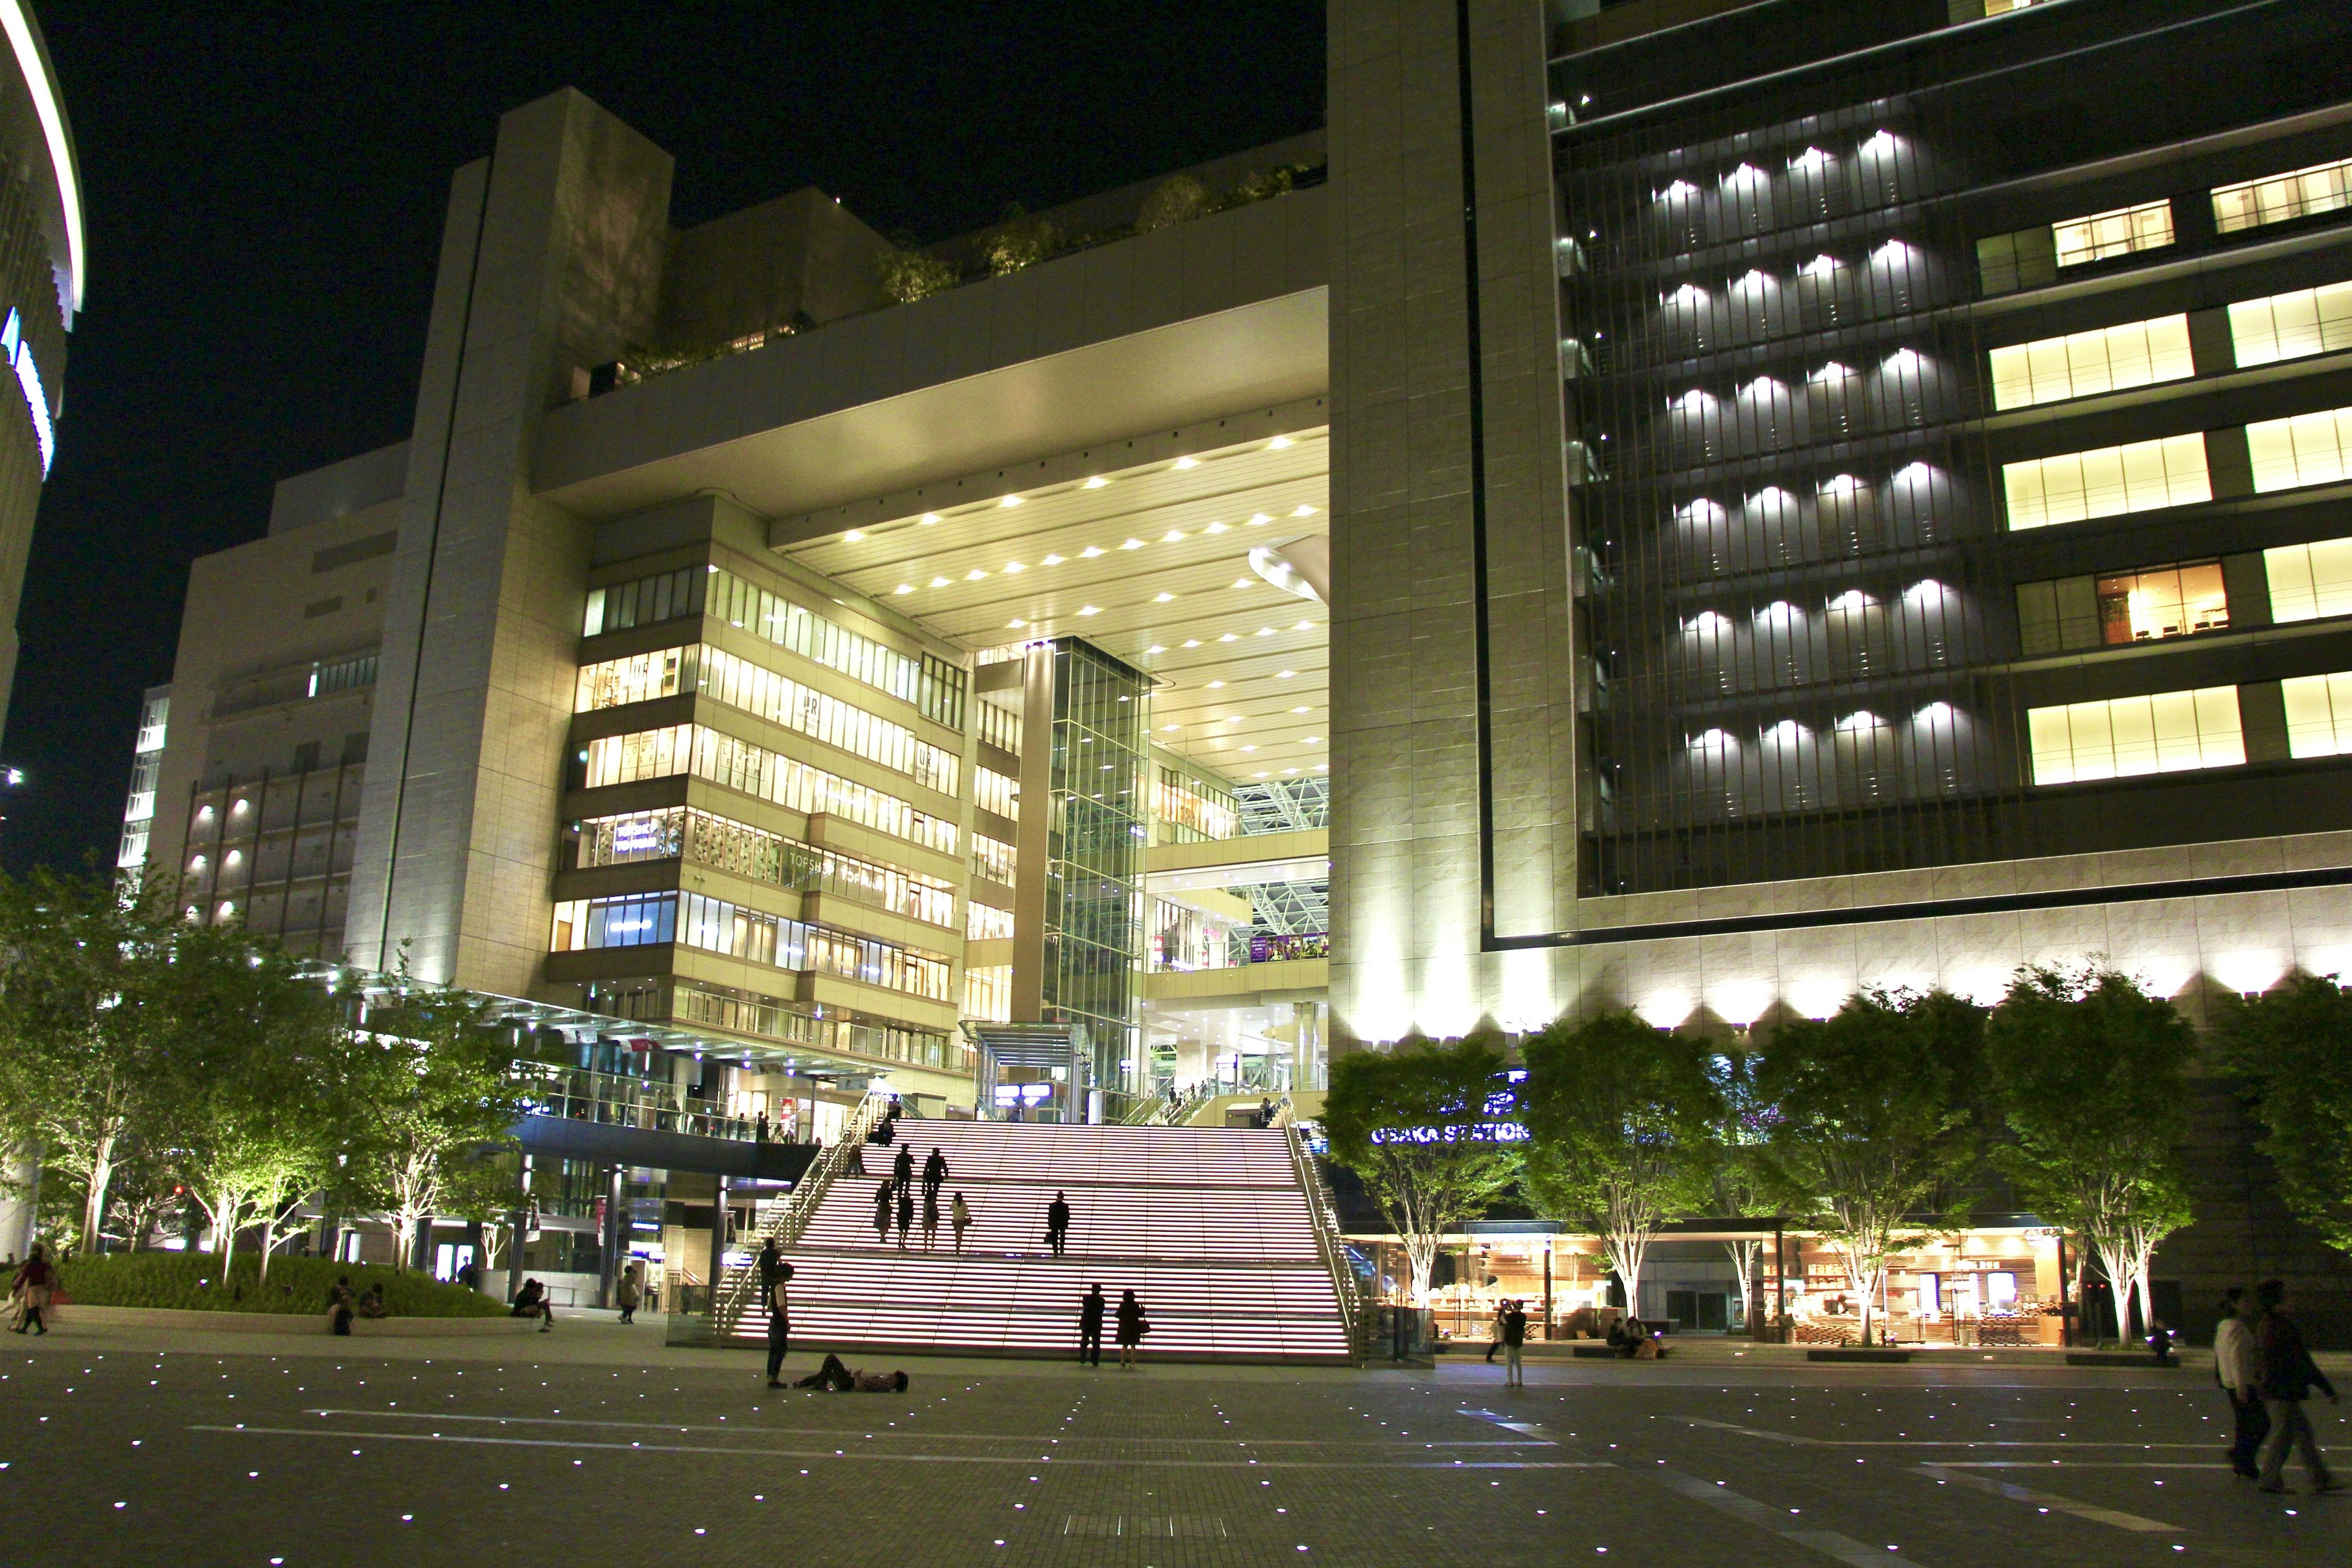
{"points": [[93, 1208], [1739, 1267], [1421, 1254]]}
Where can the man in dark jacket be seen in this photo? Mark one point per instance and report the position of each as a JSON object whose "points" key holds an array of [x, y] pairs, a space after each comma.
{"points": [[935, 1171], [2288, 1377], [1090, 1327], [1513, 1331], [1057, 1224], [902, 1169], [780, 1314]]}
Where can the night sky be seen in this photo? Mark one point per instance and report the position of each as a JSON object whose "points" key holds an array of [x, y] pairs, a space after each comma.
{"points": [[264, 187]]}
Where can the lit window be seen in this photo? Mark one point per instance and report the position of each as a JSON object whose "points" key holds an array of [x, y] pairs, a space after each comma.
{"points": [[2321, 188], [2082, 364], [2319, 715], [2170, 731], [2309, 581], [2303, 449], [2291, 325], [2162, 602], [2107, 482], [2117, 233]]}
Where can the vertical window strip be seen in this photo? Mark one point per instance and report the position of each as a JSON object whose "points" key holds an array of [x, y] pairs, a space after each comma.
{"points": [[2277, 198], [2302, 450], [2123, 736], [2318, 714], [2310, 581], [2106, 481], [2291, 325], [2082, 364]]}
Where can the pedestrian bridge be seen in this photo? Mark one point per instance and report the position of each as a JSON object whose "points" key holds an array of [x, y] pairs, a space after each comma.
{"points": [[1215, 1230]]}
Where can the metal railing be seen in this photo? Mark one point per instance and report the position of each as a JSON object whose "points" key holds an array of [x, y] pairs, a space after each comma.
{"points": [[787, 1221], [652, 1105], [1323, 1213]]}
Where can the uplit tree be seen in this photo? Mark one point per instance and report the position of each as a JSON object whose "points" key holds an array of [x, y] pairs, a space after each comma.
{"points": [[1417, 1124], [2091, 1074], [1621, 1130], [1872, 1124], [442, 1108], [2291, 1048]]}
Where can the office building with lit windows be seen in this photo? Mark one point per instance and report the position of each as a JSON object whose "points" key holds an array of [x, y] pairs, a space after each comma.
{"points": [[41, 273]]}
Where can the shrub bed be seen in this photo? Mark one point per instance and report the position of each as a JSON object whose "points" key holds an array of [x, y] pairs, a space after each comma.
{"points": [[296, 1286]]}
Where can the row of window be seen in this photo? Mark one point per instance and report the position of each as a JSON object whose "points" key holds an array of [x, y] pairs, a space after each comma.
{"points": [[770, 1019], [988, 994], [2176, 732], [994, 792], [740, 683], [714, 925], [985, 922], [934, 686], [787, 782], [682, 833], [2302, 450], [2299, 322], [992, 859], [1192, 810]]}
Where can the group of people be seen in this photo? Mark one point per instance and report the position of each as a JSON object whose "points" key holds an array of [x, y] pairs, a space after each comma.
{"points": [[1132, 1326], [2260, 1362], [343, 1304], [775, 1275], [897, 1196]]}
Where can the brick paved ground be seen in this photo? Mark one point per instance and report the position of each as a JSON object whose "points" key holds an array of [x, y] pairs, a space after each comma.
{"points": [[592, 1446]]}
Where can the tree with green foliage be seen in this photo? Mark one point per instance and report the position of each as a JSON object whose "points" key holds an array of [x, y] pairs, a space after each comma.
{"points": [[909, 275], [442, 1107], [2090, 1073], [1871, 1125], [1738, 1188], [78, 1057], [2292, 1050], [1019, 239], [1621, 1122], [1417, 1124], [258, 1083]]}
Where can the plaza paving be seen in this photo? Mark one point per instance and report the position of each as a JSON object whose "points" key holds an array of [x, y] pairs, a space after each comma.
{"points": [[594, 1445]]}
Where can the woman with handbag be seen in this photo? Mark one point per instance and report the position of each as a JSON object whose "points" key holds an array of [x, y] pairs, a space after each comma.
{"points": [[1132, 1326], [36, 1282]]}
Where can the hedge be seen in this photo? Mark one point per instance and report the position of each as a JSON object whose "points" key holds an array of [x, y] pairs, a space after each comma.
{"points": [[296, 1286]]}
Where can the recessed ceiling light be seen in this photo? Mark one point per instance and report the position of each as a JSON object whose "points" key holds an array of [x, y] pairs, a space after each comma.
{"points": [[1012, 566], [1304, 626], [1298, 709], [1321, 768], [975, 575], [1090, 551], [1259, 519], [854, 537], [1010, 500], [1089, 610], [1312, 739], [1287, 771], [1094, 483], [1265, 631], [1182, 463], [1279, 444], [1015, 623], [1229, 637], [939, 582], [903, 588], [1249, 748], [1161, 598], [1132, 544], [1214, 528], [1257, 775], [1304, 511], [1233, 717], [1172, 536], [1284, 674], [928, 518], [1240, 582], [1191, 642], [1155, 647], [1216, 686], [1051, 561]]}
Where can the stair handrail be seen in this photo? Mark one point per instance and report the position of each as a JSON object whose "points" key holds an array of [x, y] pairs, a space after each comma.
{"points": [[789, 1220], [1324, 1219]]}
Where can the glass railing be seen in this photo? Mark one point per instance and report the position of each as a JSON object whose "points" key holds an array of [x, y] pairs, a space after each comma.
{"points": [[579, 1094]]}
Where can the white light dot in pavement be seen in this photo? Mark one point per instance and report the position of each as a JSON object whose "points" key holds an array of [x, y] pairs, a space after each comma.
{"points": [[123, 1505]]}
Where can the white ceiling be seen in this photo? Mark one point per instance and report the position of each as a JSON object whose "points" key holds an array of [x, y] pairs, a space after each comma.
{"points": [[1151, 564]]}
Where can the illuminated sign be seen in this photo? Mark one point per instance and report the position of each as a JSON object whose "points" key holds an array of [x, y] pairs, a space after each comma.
{"points": [[28, 377], [1475, 1132], [637, 835]]}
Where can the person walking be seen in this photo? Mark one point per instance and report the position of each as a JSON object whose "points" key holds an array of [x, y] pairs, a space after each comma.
{"points": [[759, 1129], [882, 1214], [629, 1292], [935, 1171], [960, 1216], [931, 1217], [1132, 1326], [1057, 1224], [2238, 1368], [1512, 1328], [36, 1285], [1090, 1327], [2288, 1376], [902, 1169], [1495, 1332], [770, 1260], [906, 1211], [780, 1320]]}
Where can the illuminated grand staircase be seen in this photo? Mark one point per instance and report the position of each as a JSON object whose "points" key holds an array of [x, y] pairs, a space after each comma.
{"points": [[1219, 1232]]}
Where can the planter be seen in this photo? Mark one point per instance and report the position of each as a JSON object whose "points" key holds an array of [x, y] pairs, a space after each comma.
{"points": [[2141, 1358], [1875, 1355], [71, 1317]]}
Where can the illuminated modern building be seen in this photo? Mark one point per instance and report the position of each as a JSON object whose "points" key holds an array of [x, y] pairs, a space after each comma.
{"points": [[41, 274]]}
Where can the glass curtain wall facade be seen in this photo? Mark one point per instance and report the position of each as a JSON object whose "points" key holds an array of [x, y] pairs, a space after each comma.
{"points": [[1821, 551], [1098, 832]]}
